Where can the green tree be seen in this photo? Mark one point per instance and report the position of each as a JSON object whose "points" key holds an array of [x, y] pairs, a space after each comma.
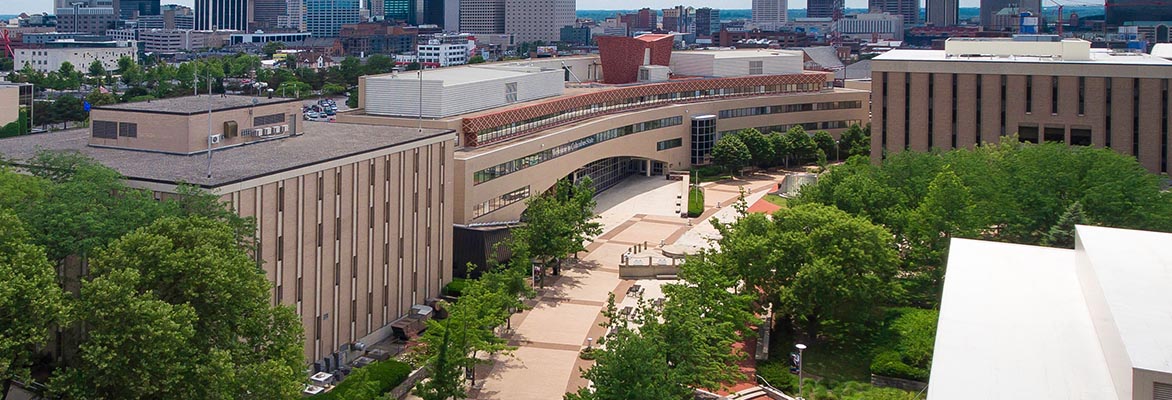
{"points": [[295, 89], [379, 64], [205, 285], [271, 48], [68, 108], [69, 75], [7, 64], [331, 89], [98, 98], [446, 380], [557, 224], [137, 347], [476, 59], [1062, 233], [30, 300], [814, 263], [414, 66], [759, 147], [800, 144], [731, 154], [824, 142], [97, 71], [855, 142], [632, 365]]}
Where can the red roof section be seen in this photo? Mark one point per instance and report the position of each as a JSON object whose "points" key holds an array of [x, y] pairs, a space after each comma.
{"points": [[622, 56]]}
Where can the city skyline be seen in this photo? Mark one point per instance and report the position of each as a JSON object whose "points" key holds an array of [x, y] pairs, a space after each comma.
{"points": [[19, 6]]}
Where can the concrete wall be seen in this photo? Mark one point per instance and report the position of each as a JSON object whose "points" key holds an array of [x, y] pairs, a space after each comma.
{"points": [[641, 145], [398, 95], [188, 133], [9, 104], [1027, 86], [47, 60], [707, 64], [385, 222]]}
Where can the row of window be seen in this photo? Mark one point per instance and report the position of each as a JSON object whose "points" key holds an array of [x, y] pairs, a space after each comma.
{"points": [[509, 167], [502, 132], [790, 108], [807, 126], [500, 202], [112, 130], [669, 144]]}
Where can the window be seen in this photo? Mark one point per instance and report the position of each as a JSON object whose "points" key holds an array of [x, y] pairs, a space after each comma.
{"points": [[511, 92], [105, 130], [1054, 95], [1029, 94], [500, 202], [644, 75], [669, 144], [756, 67], [268, 119], [127, 129]]}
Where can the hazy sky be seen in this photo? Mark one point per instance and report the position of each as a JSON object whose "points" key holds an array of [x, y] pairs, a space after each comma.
{"points": [[18, 6]]}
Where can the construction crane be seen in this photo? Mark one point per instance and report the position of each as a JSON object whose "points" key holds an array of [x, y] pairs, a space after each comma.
{"points": [[7, 44], [1060, 5], [835, 34]]}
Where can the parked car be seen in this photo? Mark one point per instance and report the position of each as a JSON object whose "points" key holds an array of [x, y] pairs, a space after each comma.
{"points": [[312, 115]]}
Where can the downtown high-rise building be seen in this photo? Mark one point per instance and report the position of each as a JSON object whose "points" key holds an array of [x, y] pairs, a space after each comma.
{"points": [[1122, 11], [998, 15], [678, 19], [707, 21], [294, 17], [267, 13], [132, 9], [405, 11], [222, 15], [909, 9], [942, 12], [770, 13], [482, 16], [324, 18], [823, 8], [537, 20]]}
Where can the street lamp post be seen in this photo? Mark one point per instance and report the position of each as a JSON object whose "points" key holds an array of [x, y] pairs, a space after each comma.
{"points": [[800, 347]]}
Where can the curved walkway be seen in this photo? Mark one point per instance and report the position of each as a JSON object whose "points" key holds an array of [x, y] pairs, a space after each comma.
{"points": [[568, 310]]}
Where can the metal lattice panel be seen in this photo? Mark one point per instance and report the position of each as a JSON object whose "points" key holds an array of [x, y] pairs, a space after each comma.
{"points": [[472, 125]]}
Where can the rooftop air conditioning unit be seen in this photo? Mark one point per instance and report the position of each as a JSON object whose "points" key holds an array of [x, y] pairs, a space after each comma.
{"points": [[285, 128], [213, 139], [268, 131], [311, 390]]}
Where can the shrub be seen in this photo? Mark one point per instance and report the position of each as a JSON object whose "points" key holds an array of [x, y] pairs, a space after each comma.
{"points": [[370, 381], [777, 374], [695, 201], [588, 353], [456, 287], [890, 363]]}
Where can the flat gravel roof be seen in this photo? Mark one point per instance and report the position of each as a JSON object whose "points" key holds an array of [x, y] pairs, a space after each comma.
{"points": [[191, 105], [321, 142]]}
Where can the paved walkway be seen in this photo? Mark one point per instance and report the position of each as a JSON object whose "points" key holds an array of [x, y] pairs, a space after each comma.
{"points": [[568, 310]]}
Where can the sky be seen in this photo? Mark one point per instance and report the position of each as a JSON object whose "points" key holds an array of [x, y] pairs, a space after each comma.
{"points": [[19, 6]]}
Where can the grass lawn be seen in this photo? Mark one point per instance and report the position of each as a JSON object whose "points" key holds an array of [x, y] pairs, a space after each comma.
{"points": [[777, 200], [832, 361]]}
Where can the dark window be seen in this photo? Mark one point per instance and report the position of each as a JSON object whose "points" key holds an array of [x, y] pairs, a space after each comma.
{"points": [[127, 129], [954, 109], [105, 129], [299, 289], [1135, 117], [337, 273], [907, 111], [1002, 123], [1107, 103], [931, 115], [1054, 95], [1028, 133], [268, 119], [978, 108], [1029, 94], [883, 127], [1082, 95], [280, 248], [1055, 134], [1080, 136], [281, 199], [669, 144]]}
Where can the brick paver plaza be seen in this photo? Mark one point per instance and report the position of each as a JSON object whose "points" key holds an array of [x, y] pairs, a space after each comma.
{"points": [[568, 310]]}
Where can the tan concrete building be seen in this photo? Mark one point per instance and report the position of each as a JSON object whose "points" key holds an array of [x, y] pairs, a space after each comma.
{"points": [[511, 149], [354, 221], [12, 97], [978, 90]]}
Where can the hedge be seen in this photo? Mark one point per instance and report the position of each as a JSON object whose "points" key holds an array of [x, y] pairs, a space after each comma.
{"points": [[776, 373], [695, 201], [456, 287], [370, 381], [911, 355]]}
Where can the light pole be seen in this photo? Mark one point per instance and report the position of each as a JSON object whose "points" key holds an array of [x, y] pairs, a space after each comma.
{"points": [[800, 347]]}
